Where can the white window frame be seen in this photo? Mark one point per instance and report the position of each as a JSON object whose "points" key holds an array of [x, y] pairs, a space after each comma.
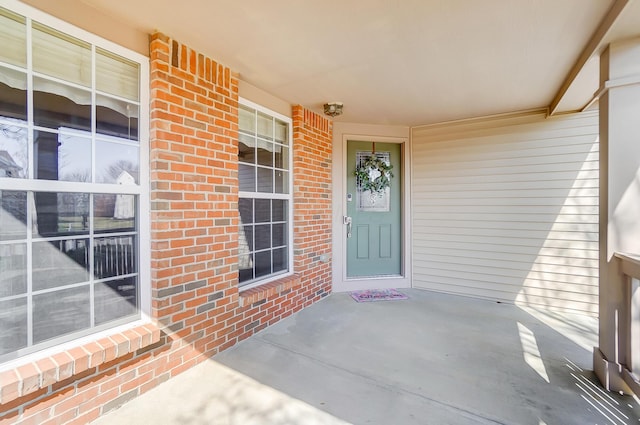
{"points": [[141, 190], [285, 196]]}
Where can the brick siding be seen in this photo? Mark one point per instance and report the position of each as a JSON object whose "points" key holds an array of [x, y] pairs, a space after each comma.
{"points": [[197, 310]]}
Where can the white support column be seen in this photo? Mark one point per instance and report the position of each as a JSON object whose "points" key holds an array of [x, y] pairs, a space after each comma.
{"points": [[634, 331], [619, 204]]}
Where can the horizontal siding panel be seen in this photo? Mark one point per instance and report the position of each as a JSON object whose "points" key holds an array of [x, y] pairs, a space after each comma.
{"points": [[511, 253], [508, 233], [507, 209], [541, 193], [502, 277], [549, 273], [520, 253], [539, 171], [588, 227], [507, 242], [502, 164], [581, 146], [487, 181], [510, 202], [581, 267], [574, 210], [510, 141], [457, 218], [484, 185], [567, 178]]}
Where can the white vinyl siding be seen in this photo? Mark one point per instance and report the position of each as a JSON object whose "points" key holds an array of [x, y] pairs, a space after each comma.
{"points": [[507, 209]]}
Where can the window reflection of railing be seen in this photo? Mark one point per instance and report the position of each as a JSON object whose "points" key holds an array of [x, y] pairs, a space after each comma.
{"points": [[630, 267], [114, 256]]}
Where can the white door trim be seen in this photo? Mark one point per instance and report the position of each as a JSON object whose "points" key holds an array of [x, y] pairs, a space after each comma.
{"points": [[339, 234]]}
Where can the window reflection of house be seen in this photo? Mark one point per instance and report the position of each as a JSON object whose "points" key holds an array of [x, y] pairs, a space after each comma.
{"points": [[125, 204], [8, 167]]}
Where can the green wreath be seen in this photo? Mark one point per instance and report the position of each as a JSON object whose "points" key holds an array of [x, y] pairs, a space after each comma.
{"points": [[374, 175]]}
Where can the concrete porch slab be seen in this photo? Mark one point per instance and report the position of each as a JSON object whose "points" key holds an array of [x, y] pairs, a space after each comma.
{"points": [[432, 359]]}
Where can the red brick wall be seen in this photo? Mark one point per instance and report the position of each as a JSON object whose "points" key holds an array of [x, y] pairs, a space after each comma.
{"points": [[194, 196], [312, 151], [196, 306]]}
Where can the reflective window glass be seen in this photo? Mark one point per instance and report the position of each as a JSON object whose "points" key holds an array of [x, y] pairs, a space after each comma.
{"points": [[60, 313], [263, 174], [14, 148], [69, 129], [247, 178], [74, 157], [116, 118], [60, 263], [13, 215], [117, 163], [13, 325], [61, 214], [58, 105], [13, 269], [13, 94], [114, 213], [114, 256], [115, 299]]}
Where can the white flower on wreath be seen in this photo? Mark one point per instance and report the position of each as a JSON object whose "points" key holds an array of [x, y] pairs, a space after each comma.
{"points": [[374, 173]]}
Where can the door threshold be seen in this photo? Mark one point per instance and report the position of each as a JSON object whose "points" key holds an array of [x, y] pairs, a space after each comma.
{"points": [[378, 277]]}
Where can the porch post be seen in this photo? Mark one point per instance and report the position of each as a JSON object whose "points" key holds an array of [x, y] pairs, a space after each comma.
{"points": [[619, 203]]}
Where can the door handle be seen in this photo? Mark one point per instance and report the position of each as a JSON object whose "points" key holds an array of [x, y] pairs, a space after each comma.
{"points": [[347, 220]]}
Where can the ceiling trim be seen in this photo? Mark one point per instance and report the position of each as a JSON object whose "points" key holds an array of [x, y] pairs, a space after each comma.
{"points": [[484, 118], [594, 46]]}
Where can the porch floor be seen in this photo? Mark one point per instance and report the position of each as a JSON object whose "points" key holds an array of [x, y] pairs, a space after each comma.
{"points": [[432, 359]]}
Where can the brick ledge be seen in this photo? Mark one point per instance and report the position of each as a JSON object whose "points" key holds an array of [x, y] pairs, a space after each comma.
{"points": [[262, 292], [34, 375]]}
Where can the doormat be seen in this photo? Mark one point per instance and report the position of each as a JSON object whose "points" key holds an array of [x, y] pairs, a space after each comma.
{"points": [[369, 295]]}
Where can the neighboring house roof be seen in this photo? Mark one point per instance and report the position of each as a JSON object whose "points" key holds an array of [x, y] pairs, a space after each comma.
{"points": [[7, 163], [127, 177]]}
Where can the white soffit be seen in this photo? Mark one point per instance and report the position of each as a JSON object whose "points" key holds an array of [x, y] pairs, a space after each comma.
{"points": [[406, 63]]}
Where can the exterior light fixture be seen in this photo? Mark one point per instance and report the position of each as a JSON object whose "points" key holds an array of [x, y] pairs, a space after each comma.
{"points": [[333, 109]]}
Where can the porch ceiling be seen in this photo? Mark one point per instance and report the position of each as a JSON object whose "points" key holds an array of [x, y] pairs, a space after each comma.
{"points": [[406, 63]]}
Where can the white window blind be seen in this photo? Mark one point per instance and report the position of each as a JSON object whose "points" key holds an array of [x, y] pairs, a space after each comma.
{"points": [[66, 58]]}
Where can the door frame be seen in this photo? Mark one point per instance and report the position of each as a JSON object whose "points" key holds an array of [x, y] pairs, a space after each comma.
{"points": [[339, 258]]}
